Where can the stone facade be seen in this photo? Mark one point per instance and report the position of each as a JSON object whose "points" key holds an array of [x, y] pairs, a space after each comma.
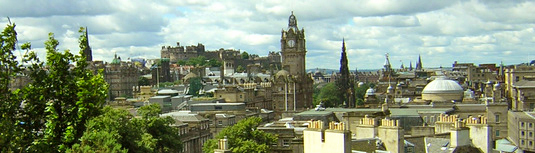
{"points": [[122, 78]]}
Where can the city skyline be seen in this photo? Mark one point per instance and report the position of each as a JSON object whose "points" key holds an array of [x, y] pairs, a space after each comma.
{"points": [[441, 32]]}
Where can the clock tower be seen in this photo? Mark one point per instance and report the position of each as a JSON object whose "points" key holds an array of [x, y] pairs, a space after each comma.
{"points": [[293, 48], [293, 86]]}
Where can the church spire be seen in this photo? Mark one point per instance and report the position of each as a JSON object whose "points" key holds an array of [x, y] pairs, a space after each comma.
{"points": [[87, 51], [419, 63], [410, 66]]}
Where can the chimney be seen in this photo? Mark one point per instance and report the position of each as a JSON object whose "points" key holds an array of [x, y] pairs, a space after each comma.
{"points": [[460, 134], [223, 146]]}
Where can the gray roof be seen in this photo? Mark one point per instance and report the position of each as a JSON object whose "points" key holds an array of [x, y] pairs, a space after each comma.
{"points": [[437, 145], [505, 146]]}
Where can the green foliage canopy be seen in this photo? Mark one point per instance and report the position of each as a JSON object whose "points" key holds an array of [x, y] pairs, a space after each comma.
{"points": [[243, 137]]}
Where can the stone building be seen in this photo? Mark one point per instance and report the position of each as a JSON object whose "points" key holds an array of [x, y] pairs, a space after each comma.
{"points": [[196, 133], [292, 87], [122, 78], [515, 74]]}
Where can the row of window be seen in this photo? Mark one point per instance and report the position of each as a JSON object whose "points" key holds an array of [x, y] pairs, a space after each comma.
{"points": [[522, 124], [522, 133]]}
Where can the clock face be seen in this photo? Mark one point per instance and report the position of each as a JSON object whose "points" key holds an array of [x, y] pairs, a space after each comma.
{"points": [[291, 43]]}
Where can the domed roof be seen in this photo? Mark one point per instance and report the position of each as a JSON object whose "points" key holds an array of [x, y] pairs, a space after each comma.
{"points": [[442, 85], [167, 92], [282, 73], [361, 84], [370, 91]]}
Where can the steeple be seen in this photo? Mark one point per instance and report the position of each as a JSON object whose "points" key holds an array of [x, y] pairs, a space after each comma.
{"points": [[87, 51], [419, 63], [410, 66], [345, 83]]}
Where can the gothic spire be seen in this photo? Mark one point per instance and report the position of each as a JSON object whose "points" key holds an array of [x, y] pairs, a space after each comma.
{"points": [[419, 63], [87, 51], [344, 83]]}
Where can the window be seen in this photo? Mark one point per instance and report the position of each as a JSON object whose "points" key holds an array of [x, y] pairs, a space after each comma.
{"points": [[241, 96], [522, 142], [497, 118], [497, 133], [530, 125], [521, 124], [425, 119], [285, 142], [220, 122], [530, 143], [522, 133], [530, 134], [432, 119]]}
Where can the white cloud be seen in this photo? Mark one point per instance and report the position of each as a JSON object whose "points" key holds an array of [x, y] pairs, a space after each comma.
{"points": [[441, 31]]}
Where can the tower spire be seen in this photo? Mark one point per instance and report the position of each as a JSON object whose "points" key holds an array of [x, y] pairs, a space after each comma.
{"points": [[87, 51], [419, 63]]}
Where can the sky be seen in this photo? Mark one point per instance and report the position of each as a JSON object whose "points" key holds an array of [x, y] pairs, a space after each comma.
{"points": [[440, 31]]}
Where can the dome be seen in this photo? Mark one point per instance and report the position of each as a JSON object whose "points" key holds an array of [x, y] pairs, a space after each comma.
{"points": [[282, 73], [370, 92], [361, 84], [442, 89], [442, 85]]}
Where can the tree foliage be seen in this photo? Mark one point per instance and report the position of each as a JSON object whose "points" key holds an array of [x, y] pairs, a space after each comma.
{"points": [[329, 95], [147, 134], [142, 81], [244, 55], [243, 137], [49, 114], [200, 61], [195, 86], [240, 69]]}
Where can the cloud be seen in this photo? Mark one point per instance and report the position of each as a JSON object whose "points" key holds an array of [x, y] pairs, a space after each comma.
{"points": [[440, 31]]}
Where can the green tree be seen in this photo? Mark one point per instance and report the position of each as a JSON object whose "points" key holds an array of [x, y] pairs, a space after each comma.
{"points": [[360, 92], [13, 135], [60, 99], [150, 133], [244, 55], [329, 95], [240, 69], [243, 137], [195, 86], [142, 81]]}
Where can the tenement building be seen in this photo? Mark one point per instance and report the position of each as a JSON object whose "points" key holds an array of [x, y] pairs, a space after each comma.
{"points": [[122, 78], [292, 87]]}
